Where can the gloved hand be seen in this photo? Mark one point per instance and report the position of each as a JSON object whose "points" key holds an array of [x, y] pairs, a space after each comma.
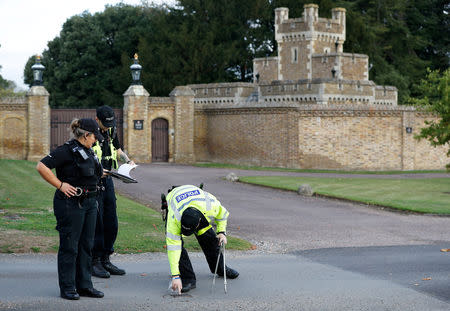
{"points": [[176, 285], [222, 238]]}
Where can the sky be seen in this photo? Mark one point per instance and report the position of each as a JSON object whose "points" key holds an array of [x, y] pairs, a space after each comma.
{"points": [[27, 25]]}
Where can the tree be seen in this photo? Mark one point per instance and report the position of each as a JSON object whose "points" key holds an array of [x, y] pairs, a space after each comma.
{"points": [[84, 63], [207, 41], [7, 86], [434, 97]]}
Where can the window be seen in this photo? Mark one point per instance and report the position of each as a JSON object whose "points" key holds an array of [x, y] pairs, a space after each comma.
{"points": [[294, 55]]}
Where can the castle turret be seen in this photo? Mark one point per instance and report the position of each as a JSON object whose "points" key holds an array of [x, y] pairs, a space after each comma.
{"points": [[338, 14], [281, 15], [310, 13]]}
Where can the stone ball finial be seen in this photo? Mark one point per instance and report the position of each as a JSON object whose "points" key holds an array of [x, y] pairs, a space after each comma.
{"points": [[305, 190], [232, 177]]}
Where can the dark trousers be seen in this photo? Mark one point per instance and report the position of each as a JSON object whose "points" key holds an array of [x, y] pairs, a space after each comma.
{"points": [[107, 224], [75, 222], [210, 246]]}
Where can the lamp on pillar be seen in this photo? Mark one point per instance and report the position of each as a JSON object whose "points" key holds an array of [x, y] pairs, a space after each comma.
{"points": [[38, 70], [136, 71]]}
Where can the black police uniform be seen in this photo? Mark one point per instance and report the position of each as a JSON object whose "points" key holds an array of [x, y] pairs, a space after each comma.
{"points": [[107, 223], [75, 216]]}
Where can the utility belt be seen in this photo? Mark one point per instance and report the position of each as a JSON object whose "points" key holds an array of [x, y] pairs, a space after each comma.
{"points": [[86, 192]]}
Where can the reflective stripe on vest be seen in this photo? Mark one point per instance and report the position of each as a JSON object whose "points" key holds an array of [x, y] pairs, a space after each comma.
{"points": [[173, 247], [225, 217], [208, 201], [173, 236]]}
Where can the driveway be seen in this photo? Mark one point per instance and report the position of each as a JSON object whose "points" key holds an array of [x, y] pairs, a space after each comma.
{"points": [[282, 221]]}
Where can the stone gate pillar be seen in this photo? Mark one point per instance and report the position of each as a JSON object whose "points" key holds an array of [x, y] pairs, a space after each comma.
{"points": [[136, 128], [183, 97], [38, 119]]}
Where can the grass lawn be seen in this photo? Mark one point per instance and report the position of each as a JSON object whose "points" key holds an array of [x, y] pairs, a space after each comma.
{"points": [[27, 223], [424, 195], [281, 169]]}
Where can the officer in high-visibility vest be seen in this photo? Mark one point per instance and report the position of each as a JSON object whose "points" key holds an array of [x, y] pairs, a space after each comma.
{"points": [[191, 211], [107, 223]]}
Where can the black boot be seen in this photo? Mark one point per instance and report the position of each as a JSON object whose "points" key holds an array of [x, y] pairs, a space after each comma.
{"points": [[90, 292], [110, 267], [231, 273], [188, 285], [98, 270]]}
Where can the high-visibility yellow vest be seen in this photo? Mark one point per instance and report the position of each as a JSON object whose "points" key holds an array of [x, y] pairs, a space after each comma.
{"points": [[98, 151], [178, 200]]}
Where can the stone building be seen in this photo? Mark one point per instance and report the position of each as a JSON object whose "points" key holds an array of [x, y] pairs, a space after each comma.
{"points": [[311, 62], [312, 106]]}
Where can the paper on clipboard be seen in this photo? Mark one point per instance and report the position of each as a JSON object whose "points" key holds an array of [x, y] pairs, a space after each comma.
{"points": [[125, 169], [123, 173]]}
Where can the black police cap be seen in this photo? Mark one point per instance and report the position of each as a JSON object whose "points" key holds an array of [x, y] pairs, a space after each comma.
{"points": [[91, 126], [190, 220], [106, 115]]}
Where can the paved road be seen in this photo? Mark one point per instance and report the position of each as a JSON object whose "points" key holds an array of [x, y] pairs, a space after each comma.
{"points": [[313, 254]]}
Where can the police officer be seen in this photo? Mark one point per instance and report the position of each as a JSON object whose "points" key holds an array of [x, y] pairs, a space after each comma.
{"points": [[77, 174], [190, 211], [107, 225]]}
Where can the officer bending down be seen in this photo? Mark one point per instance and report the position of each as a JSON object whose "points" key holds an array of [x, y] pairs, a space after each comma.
{"points": [[190, 210]]}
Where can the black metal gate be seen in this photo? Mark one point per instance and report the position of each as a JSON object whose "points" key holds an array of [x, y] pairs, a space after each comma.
{"points": [[160, 140], [60, 124]]}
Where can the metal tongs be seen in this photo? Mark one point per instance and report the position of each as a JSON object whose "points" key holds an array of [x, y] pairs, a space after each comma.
{"points": [[221, 251]]}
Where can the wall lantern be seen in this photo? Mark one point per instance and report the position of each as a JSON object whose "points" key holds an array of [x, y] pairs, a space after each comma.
{"points": [[136, 71], [38, 71], [408, 130], [333, 72]]}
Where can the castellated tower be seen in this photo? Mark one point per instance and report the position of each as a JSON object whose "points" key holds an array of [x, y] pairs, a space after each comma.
{"points": [[310, 53], [302, 38], [310, 68]]}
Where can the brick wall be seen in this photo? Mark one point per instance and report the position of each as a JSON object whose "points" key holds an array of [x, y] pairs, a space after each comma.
{"points": [[13, 128], [425, 155], [347, 137], [25, 126], [249, 136]]}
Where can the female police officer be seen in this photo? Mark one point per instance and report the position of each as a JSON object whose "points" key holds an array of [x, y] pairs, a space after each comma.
{"points": [[75, 206]]}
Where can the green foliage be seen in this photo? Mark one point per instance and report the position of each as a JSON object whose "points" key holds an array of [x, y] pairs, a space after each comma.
{"points": [[282, 169], [433, 96], [205, 41], [424, 195]]}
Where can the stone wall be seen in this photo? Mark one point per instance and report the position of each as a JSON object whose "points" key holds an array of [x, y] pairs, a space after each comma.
{"points": [[13, 128], [346, 137], [25, 126], [246, 136]]}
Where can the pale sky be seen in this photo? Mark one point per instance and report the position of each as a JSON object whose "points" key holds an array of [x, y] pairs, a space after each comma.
{"points": [[27, 25]]}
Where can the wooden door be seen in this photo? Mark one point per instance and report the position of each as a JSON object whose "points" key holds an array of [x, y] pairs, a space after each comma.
{"points": [[160, 140]]}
